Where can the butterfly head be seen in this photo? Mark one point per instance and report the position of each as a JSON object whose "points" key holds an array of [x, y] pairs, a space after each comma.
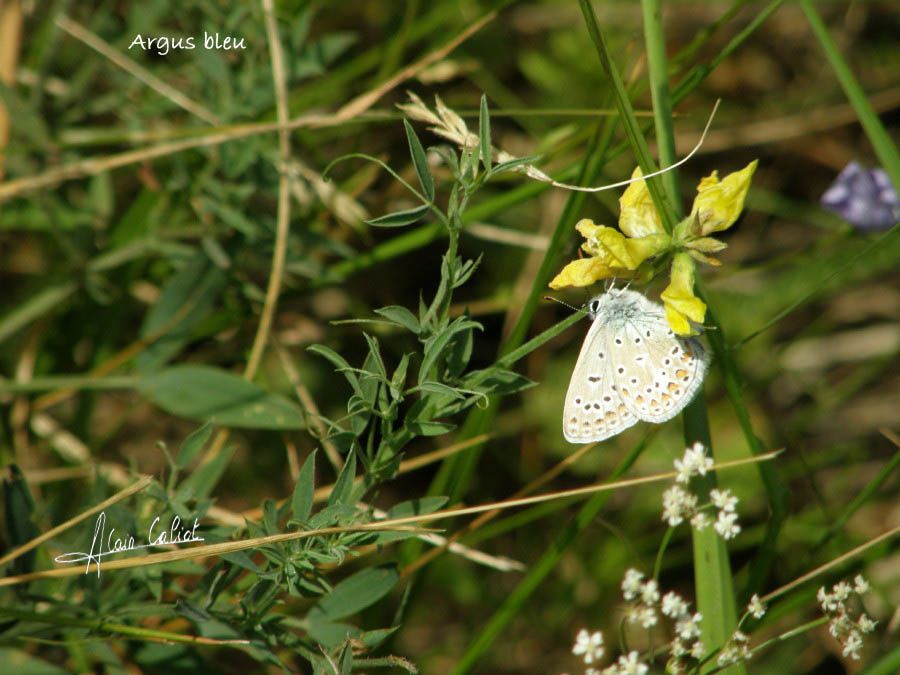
{"points": [[616, 306]]}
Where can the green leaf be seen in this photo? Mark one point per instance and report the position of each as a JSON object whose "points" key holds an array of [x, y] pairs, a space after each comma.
{"points": [[19, 508], [496, 380], [205, 477], [484, 133], [400, 218], [328, 633], [440, 389], [346, 661], [357, 592], [305, 487], [189, 293], [375, 354], [343, 486], [515, 164], [420, 161], [210, 394], [400, 316], [192, 445], [399, 378], [430, 428], [435, 345]]}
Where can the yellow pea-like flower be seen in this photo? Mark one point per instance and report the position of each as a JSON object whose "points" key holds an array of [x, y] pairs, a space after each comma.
{"points": [[682, 306], [719, 202], [637, 214]]}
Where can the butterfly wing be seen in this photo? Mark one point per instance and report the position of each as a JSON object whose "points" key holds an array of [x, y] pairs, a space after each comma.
{"points": [[593, 410], [657, 373]]}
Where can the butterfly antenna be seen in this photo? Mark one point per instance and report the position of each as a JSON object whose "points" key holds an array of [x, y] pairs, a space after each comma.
{"points": [[565, 304]]}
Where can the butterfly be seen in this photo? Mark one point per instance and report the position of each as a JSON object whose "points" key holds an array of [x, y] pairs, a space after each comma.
{"points": [[631, 367]]}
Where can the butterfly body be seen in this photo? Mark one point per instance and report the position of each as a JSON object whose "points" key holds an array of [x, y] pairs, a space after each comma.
{"points": [[631, 367]]}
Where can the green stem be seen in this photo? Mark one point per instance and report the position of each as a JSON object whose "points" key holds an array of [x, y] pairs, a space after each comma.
{"points": [[655, 41], [629, 121], [103, 626]]}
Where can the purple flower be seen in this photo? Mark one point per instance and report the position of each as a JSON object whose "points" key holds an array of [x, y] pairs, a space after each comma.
{"points": [[864, 198]]}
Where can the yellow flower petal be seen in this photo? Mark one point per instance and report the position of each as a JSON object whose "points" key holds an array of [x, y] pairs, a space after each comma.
{"points": [[682, 306], [719, 203], [615, 249], [582, 272], [637, 215]]}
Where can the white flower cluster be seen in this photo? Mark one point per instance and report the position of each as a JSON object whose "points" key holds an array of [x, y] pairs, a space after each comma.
{"points": [[737, 648], [756, 607], [842, 626], [680, 505], [694, 463], [644, 595], [646, 602]]}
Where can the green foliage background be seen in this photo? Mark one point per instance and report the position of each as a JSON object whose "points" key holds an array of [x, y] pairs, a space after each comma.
{"points": [[136, 286]]}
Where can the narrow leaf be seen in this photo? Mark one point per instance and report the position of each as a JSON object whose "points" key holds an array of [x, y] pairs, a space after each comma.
{"points": [[484, 133], [420, 161], [302, 497], [192, 445], [400, 218], [343, 486], [357, 592]]}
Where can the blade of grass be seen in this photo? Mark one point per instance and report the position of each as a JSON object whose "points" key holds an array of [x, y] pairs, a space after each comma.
{"points": [[629, 121], [714, 586], [881, 141]]}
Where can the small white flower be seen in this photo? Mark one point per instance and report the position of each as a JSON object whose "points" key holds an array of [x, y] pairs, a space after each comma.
{"points": [[852, 645], [700, 521], [757, 607], [697, 650], [865, 624], [827, 601], [631, 584], [723, 499], [629, 665], [647, 617], [726, 525], [650, 592], [737, 648], [678, 649], [860, 585], [673, 605], [841, 591], [687, 627], [589, 645], [642, 614], [678, 504], [694, 462], [592, 671]]}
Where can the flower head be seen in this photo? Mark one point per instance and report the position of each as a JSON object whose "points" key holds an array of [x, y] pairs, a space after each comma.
{"points": [[641, 237], [757, 608], [864, 198], [589, 645]]}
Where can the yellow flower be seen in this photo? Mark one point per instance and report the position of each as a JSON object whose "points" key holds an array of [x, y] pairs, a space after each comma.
{"points": [[637, 214], [641, 236], [719, 203], [682, 306], [613, 255]]}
